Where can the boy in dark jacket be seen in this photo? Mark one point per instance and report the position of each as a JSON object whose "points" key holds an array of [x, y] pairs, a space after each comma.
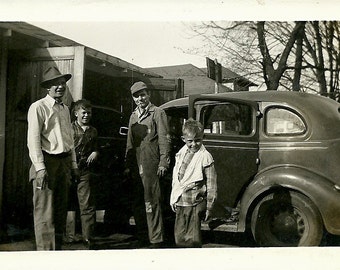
{"points": [[85, 142]]}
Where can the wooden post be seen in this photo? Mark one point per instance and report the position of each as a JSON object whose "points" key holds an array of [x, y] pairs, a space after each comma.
{"points": [[216, 77], [3, 89], [179, 88], [78, 73]]}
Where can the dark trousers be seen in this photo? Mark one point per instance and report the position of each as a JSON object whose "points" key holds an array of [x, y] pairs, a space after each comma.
{"points": [[188, 225], [50, 204], [83, 195]]}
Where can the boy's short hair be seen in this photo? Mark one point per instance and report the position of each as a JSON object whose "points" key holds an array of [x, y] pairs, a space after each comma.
{"points": [[192, 126], [82, 104]]}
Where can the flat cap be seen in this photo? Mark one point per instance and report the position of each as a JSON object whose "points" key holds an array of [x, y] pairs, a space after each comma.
{"points": [[137, 86]]}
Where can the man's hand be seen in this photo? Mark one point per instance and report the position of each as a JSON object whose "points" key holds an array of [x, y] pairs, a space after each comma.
{"points": [[92, 157], [161, 171], [41, 179], [75, 174]]}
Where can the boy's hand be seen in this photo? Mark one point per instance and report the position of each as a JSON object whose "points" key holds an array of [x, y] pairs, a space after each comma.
{"points": [[127, 172], [92, 157], [207, 215], [174, 207], [75, 174]]}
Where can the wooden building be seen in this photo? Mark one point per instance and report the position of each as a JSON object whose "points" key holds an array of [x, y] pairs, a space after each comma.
{"points": [[25, 52]]}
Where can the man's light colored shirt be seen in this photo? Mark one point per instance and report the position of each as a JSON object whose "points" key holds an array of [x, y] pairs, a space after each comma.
{"points": [[49, 130]]}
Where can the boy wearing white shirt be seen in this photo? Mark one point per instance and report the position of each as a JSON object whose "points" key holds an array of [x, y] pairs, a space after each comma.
{"points": [[193, 186]]}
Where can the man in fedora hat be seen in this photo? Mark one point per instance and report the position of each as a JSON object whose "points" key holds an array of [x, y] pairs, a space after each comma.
{"points": [[51, 150], [147, 158]]}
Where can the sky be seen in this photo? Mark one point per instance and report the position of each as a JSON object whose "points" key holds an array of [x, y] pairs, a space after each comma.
{"points": [[145, 44], [150, 33]]}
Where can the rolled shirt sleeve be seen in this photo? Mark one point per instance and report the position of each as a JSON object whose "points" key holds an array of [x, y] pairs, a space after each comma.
{"points": [[35, 124]]}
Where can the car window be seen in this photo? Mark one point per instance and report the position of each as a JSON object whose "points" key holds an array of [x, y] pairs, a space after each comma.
{"points": [[281, 121], [107, 122], [176, 118], [227, 119]]}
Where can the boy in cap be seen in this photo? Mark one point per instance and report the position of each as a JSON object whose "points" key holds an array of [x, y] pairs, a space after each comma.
{"points": [[147, 154], [193, 186], [51, 150]]}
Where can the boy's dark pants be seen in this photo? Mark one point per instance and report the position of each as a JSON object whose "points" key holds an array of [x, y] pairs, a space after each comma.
{"points": [[86, 206], [81, 194], [188, 225]]}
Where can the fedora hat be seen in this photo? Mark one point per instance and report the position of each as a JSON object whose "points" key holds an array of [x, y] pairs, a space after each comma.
{"points": [[138, 86], [51, 74]]}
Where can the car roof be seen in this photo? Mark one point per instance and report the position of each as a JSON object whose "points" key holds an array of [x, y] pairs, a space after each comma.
{"points": [[257, 96], [322, 112]]}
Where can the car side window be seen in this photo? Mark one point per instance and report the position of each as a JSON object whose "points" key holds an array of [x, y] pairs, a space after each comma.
{"points": [[106, 121], [281, 121], [176, 118], [227, 119]]}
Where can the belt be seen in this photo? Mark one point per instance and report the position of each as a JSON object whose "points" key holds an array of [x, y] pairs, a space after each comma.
{"points": [[61, 155]]}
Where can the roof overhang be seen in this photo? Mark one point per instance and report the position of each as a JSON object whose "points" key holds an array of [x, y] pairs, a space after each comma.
{"points": [[49, 39]]}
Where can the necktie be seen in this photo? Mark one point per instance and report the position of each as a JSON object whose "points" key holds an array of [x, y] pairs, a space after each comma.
{"points": [[186, 161]]}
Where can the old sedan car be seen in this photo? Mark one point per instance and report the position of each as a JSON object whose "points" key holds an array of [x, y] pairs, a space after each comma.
{"points": [[277, 157]]}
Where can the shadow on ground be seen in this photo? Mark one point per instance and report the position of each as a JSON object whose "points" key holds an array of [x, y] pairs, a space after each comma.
{"points": [[110, 238]]}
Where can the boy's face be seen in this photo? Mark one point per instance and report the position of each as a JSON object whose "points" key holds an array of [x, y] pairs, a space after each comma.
{"points": [[83, 116], [193, 141]]}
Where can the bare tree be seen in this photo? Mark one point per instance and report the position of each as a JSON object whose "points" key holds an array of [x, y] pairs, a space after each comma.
{"points": [[298, 56], [271, 74]]}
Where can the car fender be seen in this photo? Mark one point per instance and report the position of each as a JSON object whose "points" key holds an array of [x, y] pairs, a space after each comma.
{"points": [[320, 190]]}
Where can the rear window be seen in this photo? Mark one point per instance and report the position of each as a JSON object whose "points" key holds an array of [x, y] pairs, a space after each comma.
{"points": [[283, 122]]}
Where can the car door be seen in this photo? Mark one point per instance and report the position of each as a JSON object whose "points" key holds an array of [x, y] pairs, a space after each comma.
{"points": [[111, 145], [231, 136]]}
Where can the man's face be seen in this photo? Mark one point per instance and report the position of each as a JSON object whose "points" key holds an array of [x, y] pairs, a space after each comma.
{"points": [[141, 98], [57, 88], [193, 141], [83, 116]]}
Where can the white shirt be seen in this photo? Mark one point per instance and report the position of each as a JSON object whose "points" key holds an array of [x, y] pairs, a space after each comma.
{"points": [[193, 173], [49, 130]]}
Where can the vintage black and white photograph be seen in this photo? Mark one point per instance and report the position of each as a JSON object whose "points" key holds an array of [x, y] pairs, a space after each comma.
{"points": [[168, 134]]}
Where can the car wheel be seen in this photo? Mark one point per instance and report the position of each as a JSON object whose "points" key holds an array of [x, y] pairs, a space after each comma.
{"points": [[286, 219]]}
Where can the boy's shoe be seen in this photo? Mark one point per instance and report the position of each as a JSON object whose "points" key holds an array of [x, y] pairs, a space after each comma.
{"points": [[156, 245], [88, 244]]}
